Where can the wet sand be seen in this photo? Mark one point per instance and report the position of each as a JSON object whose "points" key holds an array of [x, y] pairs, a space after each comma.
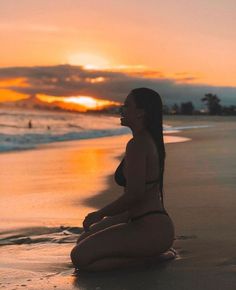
{"points": [[43, 206]]}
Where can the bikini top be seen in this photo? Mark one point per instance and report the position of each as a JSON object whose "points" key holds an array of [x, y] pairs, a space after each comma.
{"points": [[120, 178]]}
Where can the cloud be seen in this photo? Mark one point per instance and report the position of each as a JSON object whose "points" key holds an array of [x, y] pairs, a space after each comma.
{"points": [[69, 80]]}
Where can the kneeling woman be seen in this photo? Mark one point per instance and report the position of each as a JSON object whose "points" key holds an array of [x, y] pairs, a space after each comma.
{"points": [[135, 227]]}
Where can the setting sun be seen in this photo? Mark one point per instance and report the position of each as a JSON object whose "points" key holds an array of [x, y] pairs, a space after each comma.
{"points": [[89, 61], [78, 103], [89, 102], [85, 101]]}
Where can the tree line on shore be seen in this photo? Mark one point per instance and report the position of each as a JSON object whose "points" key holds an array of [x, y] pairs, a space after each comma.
{"points": [[213, 107], [211, 102]]}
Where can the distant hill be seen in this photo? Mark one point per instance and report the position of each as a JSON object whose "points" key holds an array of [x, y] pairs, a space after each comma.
{"points": [[34, 103], [28, 103]]}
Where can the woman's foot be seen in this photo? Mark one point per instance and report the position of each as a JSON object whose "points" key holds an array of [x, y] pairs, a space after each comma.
{"points": [[171, 253]]}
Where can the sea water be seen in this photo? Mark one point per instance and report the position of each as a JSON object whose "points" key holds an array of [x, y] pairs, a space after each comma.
{"points": [[25, 129]]}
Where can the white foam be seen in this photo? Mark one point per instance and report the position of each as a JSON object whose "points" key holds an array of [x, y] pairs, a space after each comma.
{"points": [[48, 127]]}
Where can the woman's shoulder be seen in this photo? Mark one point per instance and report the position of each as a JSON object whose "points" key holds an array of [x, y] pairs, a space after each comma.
{"points": [[138, 143], [144, 139]]}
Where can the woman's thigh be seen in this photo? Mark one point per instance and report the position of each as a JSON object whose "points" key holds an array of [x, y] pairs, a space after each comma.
{"points": [[122, 240], [105, 223]]}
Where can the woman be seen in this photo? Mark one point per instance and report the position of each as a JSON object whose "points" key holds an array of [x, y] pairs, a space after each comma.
{"points": [[136, 226]]}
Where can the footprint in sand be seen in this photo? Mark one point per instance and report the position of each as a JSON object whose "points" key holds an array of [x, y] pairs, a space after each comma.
{"points": [[183, 237]]}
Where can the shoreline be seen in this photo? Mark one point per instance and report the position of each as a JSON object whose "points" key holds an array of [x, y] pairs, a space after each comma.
{"points": [[168, 120], [199, 189]]}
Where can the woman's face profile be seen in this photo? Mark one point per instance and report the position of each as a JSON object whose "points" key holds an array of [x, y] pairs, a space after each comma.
{"points": [[127, 111], [130, 114]]}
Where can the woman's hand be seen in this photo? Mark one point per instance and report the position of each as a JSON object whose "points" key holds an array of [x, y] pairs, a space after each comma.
{"points": [[91, 218]]}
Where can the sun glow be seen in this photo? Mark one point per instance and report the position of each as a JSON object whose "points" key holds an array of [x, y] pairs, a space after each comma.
{"points": [[78, 103], [89, 61], [85, 101], [89, 102], [7, 94]]}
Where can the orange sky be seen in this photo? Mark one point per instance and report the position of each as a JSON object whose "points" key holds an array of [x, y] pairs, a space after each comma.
{"points": [[174, 39], [193, 37]]}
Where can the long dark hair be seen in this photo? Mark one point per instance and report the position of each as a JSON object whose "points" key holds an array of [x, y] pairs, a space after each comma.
{"points": [[151, 102]]}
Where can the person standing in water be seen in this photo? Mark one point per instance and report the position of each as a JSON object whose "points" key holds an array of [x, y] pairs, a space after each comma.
{"points": [[30, 124], [136, 226]]}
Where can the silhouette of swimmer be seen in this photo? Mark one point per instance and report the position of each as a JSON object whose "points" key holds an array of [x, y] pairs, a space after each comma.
{"points": [[30, 124]]}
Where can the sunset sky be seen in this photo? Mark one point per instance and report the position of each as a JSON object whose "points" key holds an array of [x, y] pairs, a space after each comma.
{"points": [[105, 48]]}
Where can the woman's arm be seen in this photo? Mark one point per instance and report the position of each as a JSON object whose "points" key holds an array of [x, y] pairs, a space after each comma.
{"points": [[123, 203], [135, 185]]}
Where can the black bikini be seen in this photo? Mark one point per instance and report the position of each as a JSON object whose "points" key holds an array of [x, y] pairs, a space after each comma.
{"points": [[120, 180]]}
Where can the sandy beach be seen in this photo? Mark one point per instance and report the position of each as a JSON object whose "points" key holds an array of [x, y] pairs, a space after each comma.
{"points": [[46, 192]]}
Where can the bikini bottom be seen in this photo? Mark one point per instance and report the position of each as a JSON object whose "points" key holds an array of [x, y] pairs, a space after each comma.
{"points": [[147, 213]]}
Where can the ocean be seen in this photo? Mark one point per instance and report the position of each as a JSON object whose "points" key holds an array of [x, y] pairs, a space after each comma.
{"points": [[26, 129]]}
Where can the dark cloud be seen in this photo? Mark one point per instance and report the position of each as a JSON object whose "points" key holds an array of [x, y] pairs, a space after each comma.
{"points": [[68, 80]]}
